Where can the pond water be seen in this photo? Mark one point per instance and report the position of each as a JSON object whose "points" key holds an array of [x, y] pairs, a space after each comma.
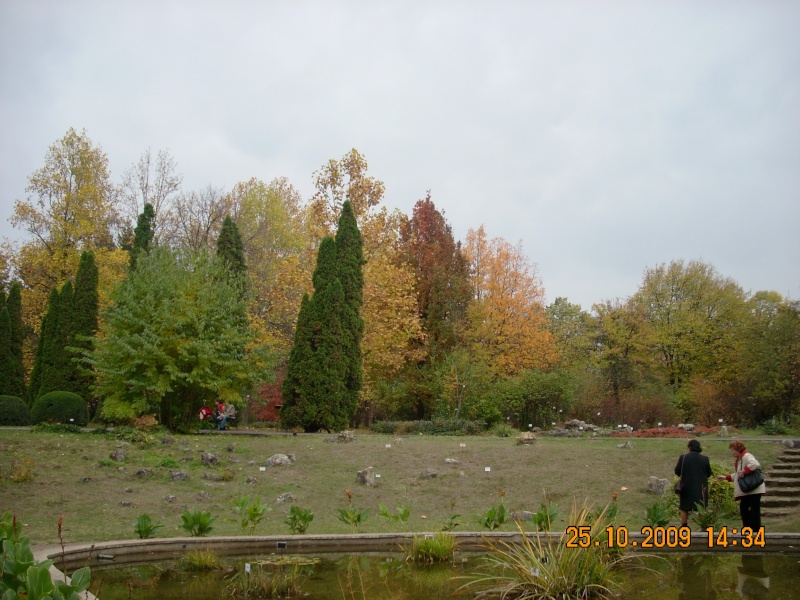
{"points": [[694, 577]]}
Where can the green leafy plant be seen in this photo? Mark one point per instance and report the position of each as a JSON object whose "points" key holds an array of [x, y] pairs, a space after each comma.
{"points": [[200, 560], [299, 519], [657, 515], [144, 527], [354, 517], [544, 567], [545, 516], [705, 516], [438, 547], [269, 581], [197, 523], [401, 513], [451, 523], [168, 463], [24, 578], [250, 513], [494, 517]]}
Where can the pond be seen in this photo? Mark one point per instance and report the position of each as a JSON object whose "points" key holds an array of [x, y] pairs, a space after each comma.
{"points": [[695, 577]]}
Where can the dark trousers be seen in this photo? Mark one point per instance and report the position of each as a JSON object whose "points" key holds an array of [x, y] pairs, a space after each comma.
{"points": [[750, 509]]}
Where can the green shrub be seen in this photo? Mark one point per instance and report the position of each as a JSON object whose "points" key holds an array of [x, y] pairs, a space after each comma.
{"points": [[200, 560], [438, 547], [144, 527], [13, 411], [60, 407], [197, 523], [299, 519]]}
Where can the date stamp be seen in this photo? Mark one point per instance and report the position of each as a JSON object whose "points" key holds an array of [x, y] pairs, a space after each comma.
{"points": [[656, 538]]}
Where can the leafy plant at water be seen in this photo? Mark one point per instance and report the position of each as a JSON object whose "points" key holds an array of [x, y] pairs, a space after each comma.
{"points": [[705, 516], [197, 523], [494, 517], [438, 547], [451, 523], [401, 513], [657, 515], [268, 581], [544, 567], [545, 516], [144, 527], [299, 519], [250, 513], [200, 560], [354, 517], [24, 578]]}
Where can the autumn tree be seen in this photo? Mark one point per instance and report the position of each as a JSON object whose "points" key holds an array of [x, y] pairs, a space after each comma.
{"points": [[507, 320], [198, 218], [569, 325]]}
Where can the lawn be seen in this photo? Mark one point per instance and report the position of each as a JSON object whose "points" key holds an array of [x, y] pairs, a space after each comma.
{"points": [[73, 475]]}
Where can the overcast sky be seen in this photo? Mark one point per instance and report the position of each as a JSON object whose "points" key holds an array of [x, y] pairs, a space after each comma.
{"points": [[606, 137]]}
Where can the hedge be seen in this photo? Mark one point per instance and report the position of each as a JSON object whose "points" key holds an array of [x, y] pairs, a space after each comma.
{"points": [[60, 407], [13, 411]]}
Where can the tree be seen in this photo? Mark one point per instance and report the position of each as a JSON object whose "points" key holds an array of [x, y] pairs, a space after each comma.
{"points": [[58, 371], [153, 181], [323, 377], [143, 234], [569, 325], [84, 323], [13, 376], [507, 321], [173, 340], [231, 249], [46, 332], [198, 218]]}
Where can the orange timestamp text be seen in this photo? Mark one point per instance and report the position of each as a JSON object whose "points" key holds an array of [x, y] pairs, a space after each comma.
{"points": [[661, 537]]}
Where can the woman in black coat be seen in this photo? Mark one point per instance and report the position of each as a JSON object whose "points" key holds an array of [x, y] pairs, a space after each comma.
{"points": [[694, 469]]}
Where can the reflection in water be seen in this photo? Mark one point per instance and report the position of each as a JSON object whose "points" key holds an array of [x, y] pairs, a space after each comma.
{"points": [[753, 582], [695, 578]]}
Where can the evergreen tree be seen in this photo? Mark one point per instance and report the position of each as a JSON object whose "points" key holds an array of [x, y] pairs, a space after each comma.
{"points": [[324, 372], [46, 333], [350, 259], [143, 234], [57, 366], [231, 248], [84, 324], [12, 371]]}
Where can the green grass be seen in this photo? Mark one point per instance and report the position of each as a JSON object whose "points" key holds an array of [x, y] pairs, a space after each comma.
{"points": [[72, 476]]}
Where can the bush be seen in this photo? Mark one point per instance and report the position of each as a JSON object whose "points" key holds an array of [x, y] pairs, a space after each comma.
{"points": [[13, 411], [60, 407], [434, 427]]}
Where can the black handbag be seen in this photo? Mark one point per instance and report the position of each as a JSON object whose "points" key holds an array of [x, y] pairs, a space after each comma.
{"points": [[750, 481]]}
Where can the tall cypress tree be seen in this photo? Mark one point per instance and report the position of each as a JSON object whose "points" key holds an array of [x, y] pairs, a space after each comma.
{"points": [[143, 234], [40, 359], [324, 373], [350, 260], [57, 367], [231, 248], [15, 384], [85, 322], [6, 358]]}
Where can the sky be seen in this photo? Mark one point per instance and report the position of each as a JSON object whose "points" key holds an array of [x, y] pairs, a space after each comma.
{"points": [[606, 137]]}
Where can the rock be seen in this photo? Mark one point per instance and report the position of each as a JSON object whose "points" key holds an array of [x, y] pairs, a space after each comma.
{"points": [[627, 445], [285, 497], [451, 461], [86, 480], [120, 469], [281, 460], [251, 481], [211, 476], [428, 474], [128, 490], [170, 498], [526, 438], [656, 485], [117, 455], [343, 437], [791, 443], [203, 496], [231, 448], [126, 503], [168, 439], [366, 477], [179, 475], [398, 440], [686, 426], [144, 471], [209, 459], [723, 431]]}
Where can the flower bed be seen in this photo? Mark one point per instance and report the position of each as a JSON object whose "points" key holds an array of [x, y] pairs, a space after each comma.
{"points": [[668, 432]]}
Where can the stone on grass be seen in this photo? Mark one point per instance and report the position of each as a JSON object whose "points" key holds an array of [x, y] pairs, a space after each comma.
{"points": [[428, 474], [170, 498], [209, 459], [521, 515], [526, 438], [179, 475], [656, 485], [281, 460], [627, 445], [117, 455], [285, 497], [366, 477], [451, 461], [144, 471]]}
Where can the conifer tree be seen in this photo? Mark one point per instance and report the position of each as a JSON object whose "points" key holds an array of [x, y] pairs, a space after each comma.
{"points": [[231, 248], [85, 322], [323, 380], [14, 379], [57, 366], [143, 234], [6, 358], [46, 332]]}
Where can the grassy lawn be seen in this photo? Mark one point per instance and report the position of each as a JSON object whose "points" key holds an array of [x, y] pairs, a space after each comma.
{"points": [[73, 476]]}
